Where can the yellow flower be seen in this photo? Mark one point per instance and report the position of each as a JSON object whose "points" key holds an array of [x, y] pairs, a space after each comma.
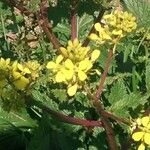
{"points": [[21, 83], [74, 51], [103, 34], [144, 134], [115, 26], [4, 68], [4, 64], [34, 68], [55, 65], [73, 65], [21, 75]]}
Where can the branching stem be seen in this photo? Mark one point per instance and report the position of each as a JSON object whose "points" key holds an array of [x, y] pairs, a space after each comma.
{"points": [[64, 118], [98, 105]]}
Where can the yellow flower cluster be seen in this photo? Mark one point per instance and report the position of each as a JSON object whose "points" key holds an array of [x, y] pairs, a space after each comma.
{"points": [[73, 65], [18, 74], [115, 26], [23, 74], [143, 133]]}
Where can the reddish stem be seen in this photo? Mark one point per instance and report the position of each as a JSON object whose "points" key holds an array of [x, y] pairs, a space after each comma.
{"points": [[45, 24], [74, 20], [104, 75], [60, 116], [72, 120], [99, 107], [107, 125]]}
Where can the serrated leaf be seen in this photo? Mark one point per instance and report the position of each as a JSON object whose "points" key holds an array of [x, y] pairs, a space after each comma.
{"points": [[60, 94], [84, 24], [97, 131], [118, 92], [133, 100], [17, 118], [42, 97], [48, 136]]}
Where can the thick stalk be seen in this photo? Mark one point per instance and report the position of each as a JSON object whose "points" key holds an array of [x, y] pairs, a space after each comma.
{"points": [[98, 105], [45, 24], [74, 19], [61, 117]]}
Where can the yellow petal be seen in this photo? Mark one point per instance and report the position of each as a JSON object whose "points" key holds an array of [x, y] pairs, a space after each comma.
{"points": [[51, 65], [145, 121], [20, 67], [141, 147], [72, 90], [14, 65], [59, 59], [70, 43], [7, 61], [117, 32], [21, 83], [68, 74], [147, 138], [93, 36], [63, 51], [137, 136], [82, 76], [83, 65], [139, 121], [89, 65], [95, 55], [60, 77], [98, 26], [26, 70], [16, 75], [69, 64], [76, 42], [106, 36]]}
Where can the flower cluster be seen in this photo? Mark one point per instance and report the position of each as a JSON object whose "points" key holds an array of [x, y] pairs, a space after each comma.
{"points": [[73, 65], [20, 75], [143, 132], [23, 74], [115, 26]]}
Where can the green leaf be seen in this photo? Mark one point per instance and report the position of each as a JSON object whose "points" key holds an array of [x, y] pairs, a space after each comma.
{"points": [[60, 94], [15, 129], [84, 24], [42, 97], [133, 100], [17, 118], [48, 136], [118, 92]]}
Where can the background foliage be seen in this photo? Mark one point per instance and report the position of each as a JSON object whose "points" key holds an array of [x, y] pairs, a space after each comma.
{"points": [[127, 88]]}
